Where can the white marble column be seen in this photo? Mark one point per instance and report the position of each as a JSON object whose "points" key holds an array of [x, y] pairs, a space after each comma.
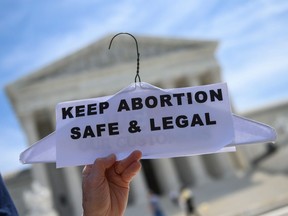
{"points": [[38, 170], [139, 189], [72, 178], [74, 181], [221, 165], [197, 167], [52, 114], [241, 162], [227, 164], [192, 171], [166, 175]]}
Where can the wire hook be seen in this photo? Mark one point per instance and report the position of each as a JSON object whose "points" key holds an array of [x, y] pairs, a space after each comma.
{"points": [[138, 54]]}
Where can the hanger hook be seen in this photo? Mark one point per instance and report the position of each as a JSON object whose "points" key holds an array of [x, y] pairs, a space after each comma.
{"points": [[138, 54]]}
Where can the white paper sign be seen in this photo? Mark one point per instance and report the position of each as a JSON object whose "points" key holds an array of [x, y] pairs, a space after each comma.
{"points": [[174, 122], [161, 123]]}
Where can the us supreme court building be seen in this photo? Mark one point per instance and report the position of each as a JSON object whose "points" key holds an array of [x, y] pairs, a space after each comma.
{"points": [[96, 71]]}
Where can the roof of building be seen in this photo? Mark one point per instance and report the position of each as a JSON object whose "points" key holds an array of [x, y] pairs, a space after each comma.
{"points": [[97, 55]]}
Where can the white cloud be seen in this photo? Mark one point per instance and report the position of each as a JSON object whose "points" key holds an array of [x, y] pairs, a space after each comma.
{"points": [[253, 79], [253, 50]]}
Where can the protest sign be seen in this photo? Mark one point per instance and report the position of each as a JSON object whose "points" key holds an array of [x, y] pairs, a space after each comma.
{"points": [[159, 122]]}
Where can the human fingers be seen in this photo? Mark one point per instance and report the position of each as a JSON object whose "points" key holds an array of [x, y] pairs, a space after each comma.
{"points": [[101, 164], [131, 171], [123, 164]]}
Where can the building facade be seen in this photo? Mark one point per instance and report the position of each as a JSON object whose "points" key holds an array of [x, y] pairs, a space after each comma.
{"points": [[275, 115], [96, 71]]}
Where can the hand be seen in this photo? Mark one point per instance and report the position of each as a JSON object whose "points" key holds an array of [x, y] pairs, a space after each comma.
{"points": [[105, 184]]}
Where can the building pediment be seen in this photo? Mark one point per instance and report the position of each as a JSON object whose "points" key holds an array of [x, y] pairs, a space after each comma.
{"points": [[97, 56], [95, 70]]}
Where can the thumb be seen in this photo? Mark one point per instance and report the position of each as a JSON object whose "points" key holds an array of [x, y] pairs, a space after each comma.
{"points": [[86, 171]]}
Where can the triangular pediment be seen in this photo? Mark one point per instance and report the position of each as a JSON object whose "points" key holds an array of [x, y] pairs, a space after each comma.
{"points": [[123, 50]]}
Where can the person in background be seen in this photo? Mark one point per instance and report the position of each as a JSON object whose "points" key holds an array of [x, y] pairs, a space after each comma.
{"points": [[155, 205], [186, 201], [7, 207], [105, 184]]}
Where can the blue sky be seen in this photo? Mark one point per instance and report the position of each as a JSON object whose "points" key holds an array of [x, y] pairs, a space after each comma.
{"points": [[253, 48]]}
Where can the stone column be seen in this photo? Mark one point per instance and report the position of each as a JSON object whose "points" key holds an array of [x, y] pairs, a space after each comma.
{"points": [[219, 165], [38, 170], [197, 167], [240, 160], [139, 189], [71, 190], [192, 171], [52, 113], [74, 182], [226, 164], [166, 174]]}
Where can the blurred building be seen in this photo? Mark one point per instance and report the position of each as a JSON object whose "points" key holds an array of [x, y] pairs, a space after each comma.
{"points": [[275, 115], [96, 71], [18, 183]]}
